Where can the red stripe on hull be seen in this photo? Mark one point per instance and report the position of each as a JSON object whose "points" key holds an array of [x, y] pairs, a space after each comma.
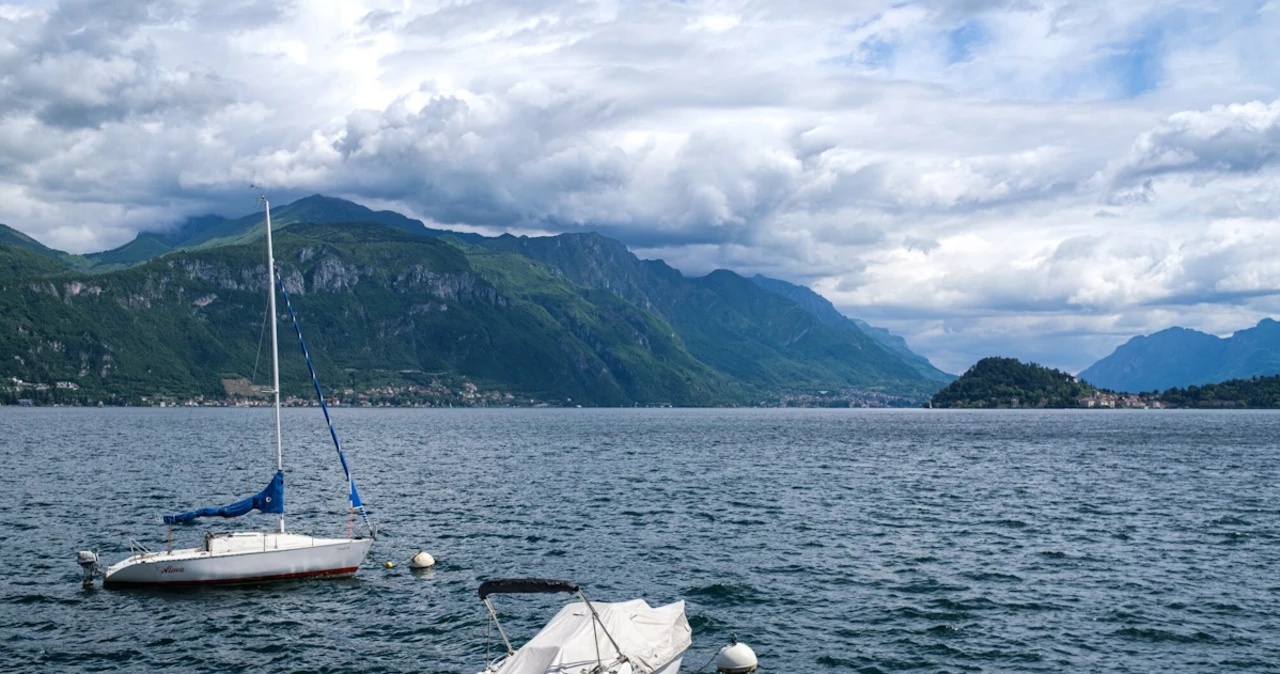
{"points": [[350, 571]]}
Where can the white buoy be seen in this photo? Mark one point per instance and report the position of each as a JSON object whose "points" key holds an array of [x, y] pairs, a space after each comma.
{"points": [[736, 658], [422, 560]]}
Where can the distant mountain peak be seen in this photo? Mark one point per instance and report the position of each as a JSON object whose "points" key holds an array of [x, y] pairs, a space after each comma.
{"points": [[18, 239], [1178, 357], [726, 275], [1178, 330], [595, 240], [323, 198], [14, 237]]}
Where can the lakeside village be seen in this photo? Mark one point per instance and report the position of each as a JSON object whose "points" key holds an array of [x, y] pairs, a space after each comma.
{"points": [[240, 393], [1122, 401], [1106, 399]]}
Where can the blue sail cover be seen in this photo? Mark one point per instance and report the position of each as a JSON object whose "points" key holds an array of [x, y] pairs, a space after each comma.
{"points": [[269, 500]]}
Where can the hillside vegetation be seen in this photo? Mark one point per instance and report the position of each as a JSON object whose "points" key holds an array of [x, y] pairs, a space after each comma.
{"points": [[1007, 382], [1256, 392]]}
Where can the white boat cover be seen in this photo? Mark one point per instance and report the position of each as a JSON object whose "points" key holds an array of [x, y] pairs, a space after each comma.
{"points": [[649, 638]]}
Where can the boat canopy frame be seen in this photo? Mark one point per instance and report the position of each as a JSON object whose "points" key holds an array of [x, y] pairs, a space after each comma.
{"points": [[525, 586]]}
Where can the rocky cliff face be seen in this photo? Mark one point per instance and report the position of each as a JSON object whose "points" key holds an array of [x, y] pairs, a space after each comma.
{"points": [[588, 259]]}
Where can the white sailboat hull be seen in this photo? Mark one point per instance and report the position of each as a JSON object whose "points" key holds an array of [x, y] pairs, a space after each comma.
{"points": [[242, 558]]}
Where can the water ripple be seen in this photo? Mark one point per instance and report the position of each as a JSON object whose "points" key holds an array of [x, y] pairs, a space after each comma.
{"points": [[830, 540]]}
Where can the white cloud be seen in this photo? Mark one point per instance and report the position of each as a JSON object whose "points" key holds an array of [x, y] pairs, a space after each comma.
{"points": [[1225, 139], [940, 167]]}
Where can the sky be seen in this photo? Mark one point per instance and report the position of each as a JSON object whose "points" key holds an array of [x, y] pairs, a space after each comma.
{"points": [[1040, 180]]}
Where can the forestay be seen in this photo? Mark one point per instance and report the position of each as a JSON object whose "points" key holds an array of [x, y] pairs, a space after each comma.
{"points": [[356, 503], [648, 637]]}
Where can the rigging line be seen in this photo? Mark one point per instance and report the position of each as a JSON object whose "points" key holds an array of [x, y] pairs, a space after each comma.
{"points": [[595, 639], [356, 503], [704, 665], [262, 334]]}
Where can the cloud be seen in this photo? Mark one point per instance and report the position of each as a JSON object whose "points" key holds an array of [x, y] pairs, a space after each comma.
{"points": [[80, 67], [971, 173], [1236, 138]]}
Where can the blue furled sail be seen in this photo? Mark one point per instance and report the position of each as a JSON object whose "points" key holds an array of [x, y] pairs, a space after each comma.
{"points": [[269, 500], [356, 503]]}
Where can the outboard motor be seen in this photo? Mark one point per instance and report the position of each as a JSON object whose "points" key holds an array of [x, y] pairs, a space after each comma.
{"points": [[736, 658], [89, 562]]}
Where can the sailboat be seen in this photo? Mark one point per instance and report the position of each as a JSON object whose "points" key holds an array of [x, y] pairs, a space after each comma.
{"points": [[252, 557]]}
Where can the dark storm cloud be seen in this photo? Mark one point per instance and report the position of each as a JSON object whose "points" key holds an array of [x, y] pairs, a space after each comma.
{"points": [[506, 164], [80, 68]]}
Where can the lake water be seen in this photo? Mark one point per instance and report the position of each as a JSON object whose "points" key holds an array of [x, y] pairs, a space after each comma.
{"points": [[829, 540]]}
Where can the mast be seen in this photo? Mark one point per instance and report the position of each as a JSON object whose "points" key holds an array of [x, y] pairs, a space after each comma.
{"points": [[275, 343]]}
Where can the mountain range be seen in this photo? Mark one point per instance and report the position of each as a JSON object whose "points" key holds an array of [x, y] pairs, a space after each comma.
{"points": [[1180, 357], [389, 302], [826, 312], [211, 231]]}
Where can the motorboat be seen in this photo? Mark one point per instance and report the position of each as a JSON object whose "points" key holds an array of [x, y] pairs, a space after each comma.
{"points": [[588, 637]]}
